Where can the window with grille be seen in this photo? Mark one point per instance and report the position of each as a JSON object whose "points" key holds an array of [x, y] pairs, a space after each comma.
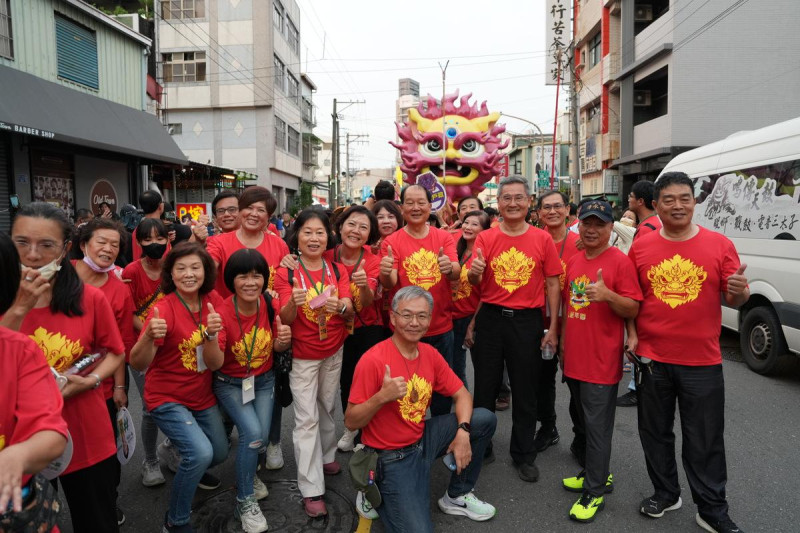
{"points": [[294, 87], [76, 53], [277, 17], [184, 66], [183, 9], [279, 74], [6, 35], [595, 50], [293, 36], [294, 141], [280, 133]]}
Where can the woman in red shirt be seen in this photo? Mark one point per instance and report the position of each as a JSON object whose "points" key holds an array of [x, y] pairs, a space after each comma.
{"points": [[68, 320], [143, 278], [466, 297], [357, 229], [181, 341], [32, 431], [317, 302], [245, 384], [390, 219]]}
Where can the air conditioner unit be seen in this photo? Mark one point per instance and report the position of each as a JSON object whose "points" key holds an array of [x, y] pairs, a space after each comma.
{"points": [[642, 98], [643, 13]]}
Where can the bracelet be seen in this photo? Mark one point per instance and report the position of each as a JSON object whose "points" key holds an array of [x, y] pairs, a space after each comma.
{"points": [[99, 380], [344, 308], [119, 386]]}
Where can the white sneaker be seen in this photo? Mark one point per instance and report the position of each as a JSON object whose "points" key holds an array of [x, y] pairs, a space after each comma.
{"points": [[364, 508], [168, 453], [467, 505], [151, 474], [250, 514], [259, 489], [274, 457], [347, 442]]}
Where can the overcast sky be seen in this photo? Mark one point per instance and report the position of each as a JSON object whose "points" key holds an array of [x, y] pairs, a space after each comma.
{"points": [[496, 51]]}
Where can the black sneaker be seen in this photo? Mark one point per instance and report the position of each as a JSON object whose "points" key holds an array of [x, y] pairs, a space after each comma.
{"points": [[546, 437], [655, 507], [528, 472], [579, 452], [208, 482], [168, 528], [628, 399], [713, 526], [120, 517]]}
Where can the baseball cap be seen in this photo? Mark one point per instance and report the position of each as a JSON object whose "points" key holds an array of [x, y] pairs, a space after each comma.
{"points": [[363, 470], [596, 208]]}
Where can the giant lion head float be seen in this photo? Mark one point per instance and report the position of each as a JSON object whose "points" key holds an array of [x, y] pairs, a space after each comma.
{"points": [[472, 144]]}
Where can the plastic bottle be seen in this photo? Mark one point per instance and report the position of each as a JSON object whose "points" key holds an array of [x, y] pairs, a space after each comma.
{"points": [[547, 351]]}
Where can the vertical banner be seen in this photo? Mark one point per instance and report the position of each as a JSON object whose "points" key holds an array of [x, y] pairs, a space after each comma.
{"points": [[557, 32]]}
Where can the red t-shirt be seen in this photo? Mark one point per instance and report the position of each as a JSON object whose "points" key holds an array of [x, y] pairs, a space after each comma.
{"points": [[220, 248], [417, 263], [141, 287], [644, 226], [566, 248], [372, 266], [30, 399], [680, 318], [121, 301], [400, 423], [466, 296], [516, 267], [172, 375], [306, 343], [240, 332], [594, 336], [63, 339]]}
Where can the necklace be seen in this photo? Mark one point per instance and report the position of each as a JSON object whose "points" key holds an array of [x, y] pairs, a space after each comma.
{"points": [[414, 393]]}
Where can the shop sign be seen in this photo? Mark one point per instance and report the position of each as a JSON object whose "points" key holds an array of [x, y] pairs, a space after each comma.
{"points": [[193, 210], [102, 191], [27, 130]]}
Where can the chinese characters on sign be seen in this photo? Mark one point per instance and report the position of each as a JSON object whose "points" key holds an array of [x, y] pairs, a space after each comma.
{"points": [[193, 210], [557, 41]]}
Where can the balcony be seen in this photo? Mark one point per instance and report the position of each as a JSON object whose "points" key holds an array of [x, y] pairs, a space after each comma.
{"points": [[309, 113], [652, 135], [311, 147]]}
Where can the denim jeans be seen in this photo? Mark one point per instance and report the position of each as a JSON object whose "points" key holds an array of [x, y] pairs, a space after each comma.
{"points": [[252, 420], [459, 353], [404, 476], [200, 439], [440, 405]]}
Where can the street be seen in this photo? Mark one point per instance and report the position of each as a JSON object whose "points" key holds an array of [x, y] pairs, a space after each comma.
{"points": [[762, 429]]}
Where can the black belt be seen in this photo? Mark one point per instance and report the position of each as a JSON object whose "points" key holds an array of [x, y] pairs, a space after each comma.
{"points": [[405, 449], [511, 313]]}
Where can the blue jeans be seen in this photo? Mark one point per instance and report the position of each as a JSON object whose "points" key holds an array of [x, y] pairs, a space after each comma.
{"points": [[459, 353], [252, 420], [201, 441], [440, 405], [404, 476]]}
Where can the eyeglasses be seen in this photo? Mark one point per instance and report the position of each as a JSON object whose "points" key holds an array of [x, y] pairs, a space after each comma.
{"points": [[409, 317], [44, 247], [552, 207], [519, 198], [229, 210]]}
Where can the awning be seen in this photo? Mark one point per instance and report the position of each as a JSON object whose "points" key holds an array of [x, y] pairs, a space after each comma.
{"points": [[33, 106]]}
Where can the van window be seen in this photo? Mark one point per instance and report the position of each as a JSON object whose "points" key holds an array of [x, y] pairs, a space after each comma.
{"points": [[759, 202]]}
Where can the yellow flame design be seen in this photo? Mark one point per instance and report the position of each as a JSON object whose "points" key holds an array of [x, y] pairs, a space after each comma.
{"points": [[356, 293], [261, 352], [146, 312], [2, 442], [311, 314], [418, 395], [512, 269], [462, 288], [422, 269], [59, 350], [188, 349], [676, 281]]}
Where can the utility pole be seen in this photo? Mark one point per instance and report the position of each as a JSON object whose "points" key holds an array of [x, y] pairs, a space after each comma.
{"points": [[348, 174], [574, 151], [334, 187]]}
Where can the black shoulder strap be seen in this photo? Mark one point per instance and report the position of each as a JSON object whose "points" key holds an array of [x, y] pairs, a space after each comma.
{"points": [[649, 225], [290, 277], [270, 309], [335, 270]]}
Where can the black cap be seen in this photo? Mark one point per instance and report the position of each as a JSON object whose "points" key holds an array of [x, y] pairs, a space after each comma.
{"points": [[596, 208]]}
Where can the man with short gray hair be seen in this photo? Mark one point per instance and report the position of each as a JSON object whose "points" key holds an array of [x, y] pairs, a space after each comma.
{"points": [[393, 384]]}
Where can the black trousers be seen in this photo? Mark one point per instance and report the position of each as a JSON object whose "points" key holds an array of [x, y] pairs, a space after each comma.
{"points": [[355, 346], [513, 340], [546, 393], [596, 406], [91, 494], [700, 393]]}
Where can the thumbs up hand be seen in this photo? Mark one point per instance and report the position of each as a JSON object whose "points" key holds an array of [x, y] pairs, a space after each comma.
{"points": [[213, 321], [359, 275], [393, 388], [445, 265], [478, 264], [156, 327], [597, 291], [737, 282], [283, 334], [298, 293], [387, 262]]}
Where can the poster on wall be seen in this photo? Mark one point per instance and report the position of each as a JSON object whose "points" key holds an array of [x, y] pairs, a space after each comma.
{"points": [[102, 191], [192, 210], [55, 191]]}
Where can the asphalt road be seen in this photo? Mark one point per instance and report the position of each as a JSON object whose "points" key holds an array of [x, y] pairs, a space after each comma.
{"points": [[762, 441]]}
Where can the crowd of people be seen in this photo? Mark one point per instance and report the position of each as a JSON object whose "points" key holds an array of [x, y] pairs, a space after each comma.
{"points": [[377, 307]]}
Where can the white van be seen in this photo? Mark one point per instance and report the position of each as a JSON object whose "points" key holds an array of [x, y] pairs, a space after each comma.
{"points": [[748, 187]]}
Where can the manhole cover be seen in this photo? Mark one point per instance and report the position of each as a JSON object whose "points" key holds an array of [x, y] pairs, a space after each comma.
{"points": [[283, 509]]}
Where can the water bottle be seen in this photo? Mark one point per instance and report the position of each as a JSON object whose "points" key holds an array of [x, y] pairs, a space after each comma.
{"points": [[547, 351]]}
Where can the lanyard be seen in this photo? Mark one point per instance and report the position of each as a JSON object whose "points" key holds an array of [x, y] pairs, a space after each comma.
{"points": [[463, 262], [339, 259], [322, 282], [199, 321], [563, 243], [248, 353]]}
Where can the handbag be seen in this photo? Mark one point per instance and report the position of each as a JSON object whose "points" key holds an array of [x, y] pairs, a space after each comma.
{"points": [[283, 392], [39, 513], [282, 362]]}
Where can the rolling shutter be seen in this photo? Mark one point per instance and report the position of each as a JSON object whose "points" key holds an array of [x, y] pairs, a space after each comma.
{"points": [[76, 48]]}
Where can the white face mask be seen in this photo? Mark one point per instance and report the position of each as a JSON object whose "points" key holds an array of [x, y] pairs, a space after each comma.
{"points": [[49, 270], [97, 268]]}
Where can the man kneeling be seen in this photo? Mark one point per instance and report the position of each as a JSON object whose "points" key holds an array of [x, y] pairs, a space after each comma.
{"points": [[392, 388]]}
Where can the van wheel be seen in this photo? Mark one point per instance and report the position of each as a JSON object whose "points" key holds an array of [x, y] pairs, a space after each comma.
{"points": [[761, 340]]}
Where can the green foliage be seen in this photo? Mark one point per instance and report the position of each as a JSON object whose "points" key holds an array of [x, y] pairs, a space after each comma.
{"points": [[302, 200]]}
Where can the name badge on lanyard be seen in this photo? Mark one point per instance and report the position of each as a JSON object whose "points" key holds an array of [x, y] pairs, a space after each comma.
{"points": [[248, 390], [201, 363], [318, 302]]}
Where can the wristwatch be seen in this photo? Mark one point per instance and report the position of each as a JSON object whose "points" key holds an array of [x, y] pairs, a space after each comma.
{"points": [[465, 426], [208, 336]]}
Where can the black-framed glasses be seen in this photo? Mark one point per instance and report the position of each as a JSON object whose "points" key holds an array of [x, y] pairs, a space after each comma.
{"points": [[229, 210]]}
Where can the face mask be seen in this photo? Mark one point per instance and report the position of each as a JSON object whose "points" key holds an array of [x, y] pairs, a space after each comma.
{"points": [[97, 268], [154, 250], [49, 270]]}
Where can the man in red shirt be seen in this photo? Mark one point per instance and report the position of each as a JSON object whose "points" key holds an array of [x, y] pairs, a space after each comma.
{"points": [[225, 209], [683, 269], [513, 264], [425, 256], [601, 291], [392, 388]]}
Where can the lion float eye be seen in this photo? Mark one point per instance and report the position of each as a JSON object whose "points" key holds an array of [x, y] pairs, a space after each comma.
{"points": [[471, 148], [432, 147]]}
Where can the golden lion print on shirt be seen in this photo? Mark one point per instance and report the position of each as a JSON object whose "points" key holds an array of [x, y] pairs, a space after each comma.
{"points": [[355, 292], [676, 281], [562, 278], [59, 350], [311, 314], [188, 349], [146, 312], [2, 442], [577, 292], [261, 351], [422, 269], [418, 395], [512, 269], [271, 282], [462, 288]]}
